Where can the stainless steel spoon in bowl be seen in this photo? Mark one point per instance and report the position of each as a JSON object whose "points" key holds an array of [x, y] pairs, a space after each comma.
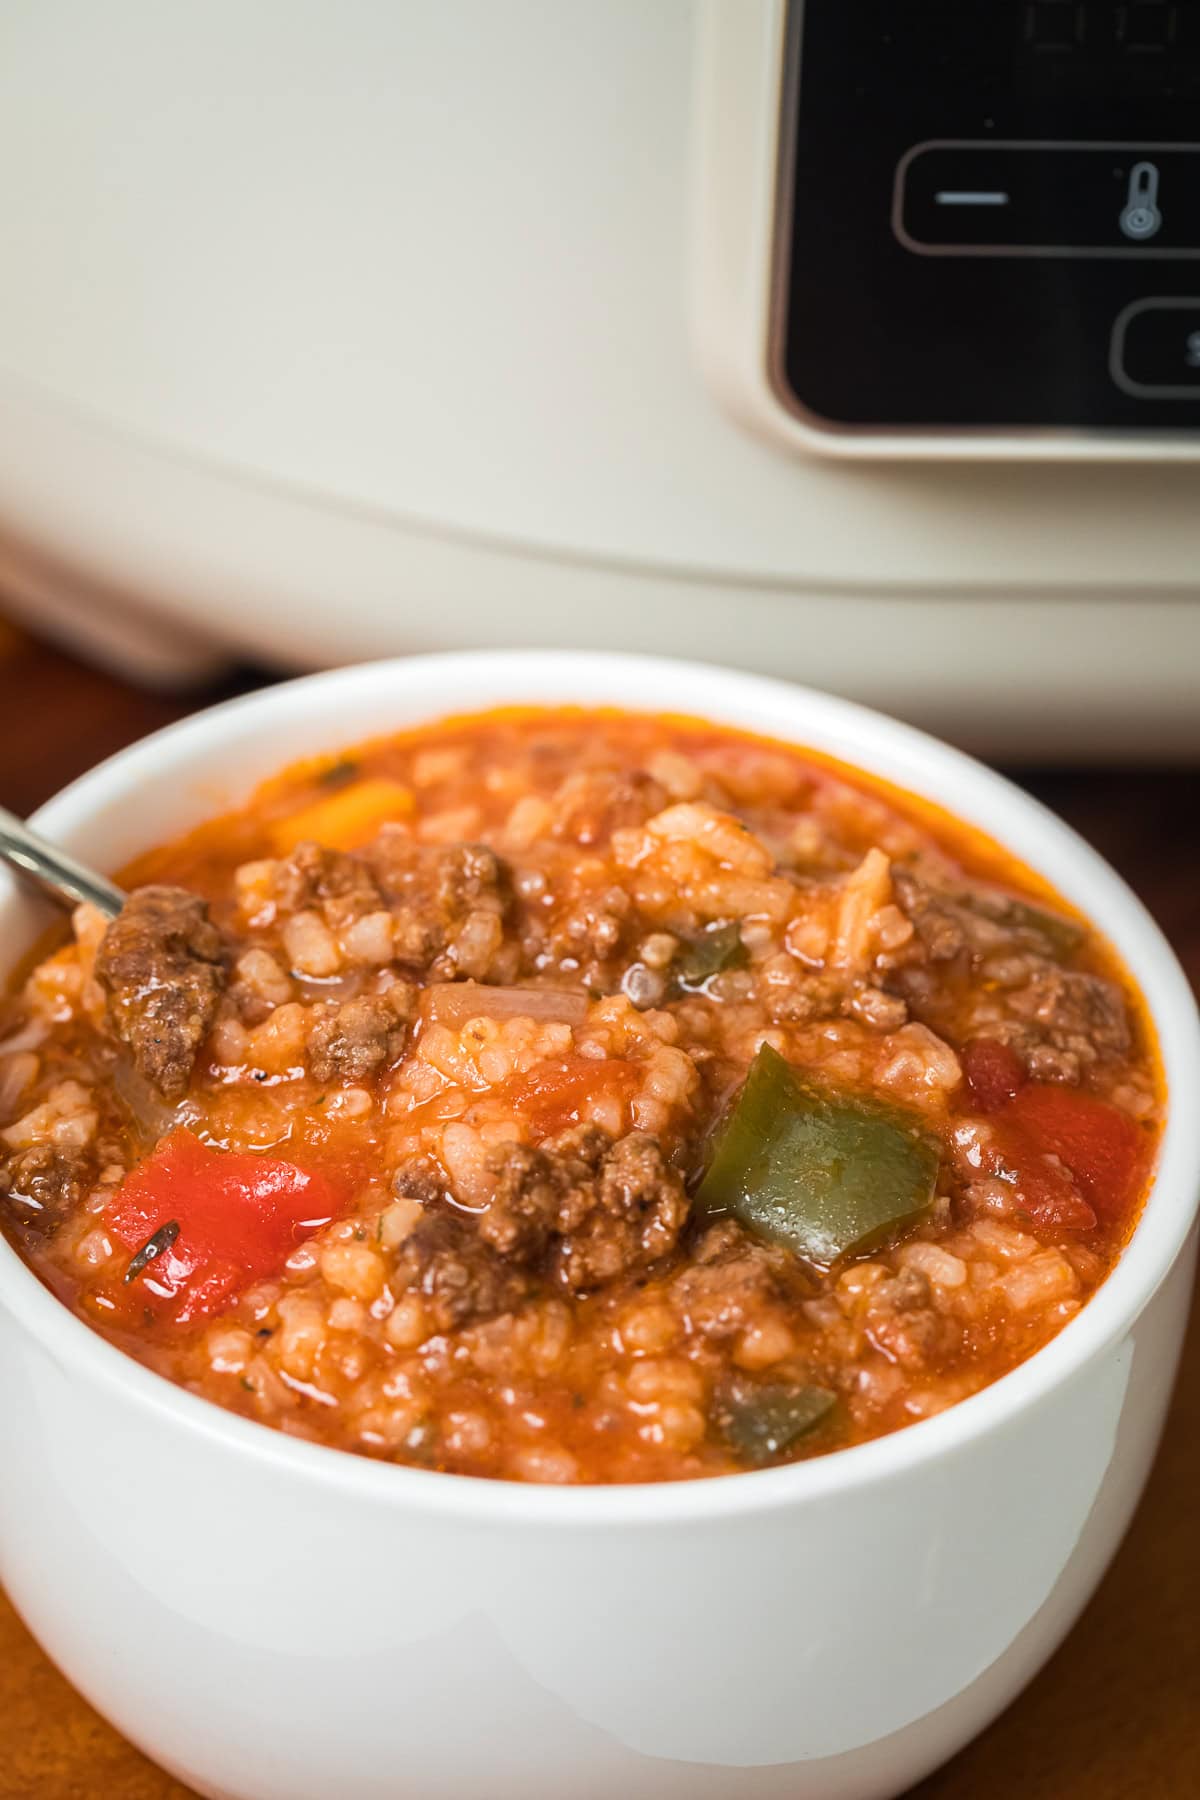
{"points": [[70, 882], [53, 870]]}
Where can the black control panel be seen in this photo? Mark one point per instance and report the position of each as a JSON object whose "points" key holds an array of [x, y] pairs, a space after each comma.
{"points": [[990, 215]]}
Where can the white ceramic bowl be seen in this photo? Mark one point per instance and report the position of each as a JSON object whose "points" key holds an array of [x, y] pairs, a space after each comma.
{"points": [[276, 1621]]}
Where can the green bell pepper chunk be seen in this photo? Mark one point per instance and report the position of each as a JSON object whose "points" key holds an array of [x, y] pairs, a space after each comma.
{"points": [[718, 948], [759, 1424], [821, 1173], [1061, 935]]}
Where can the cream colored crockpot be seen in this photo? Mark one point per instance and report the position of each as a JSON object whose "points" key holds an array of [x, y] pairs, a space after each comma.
{"points": [[272, 1620]]}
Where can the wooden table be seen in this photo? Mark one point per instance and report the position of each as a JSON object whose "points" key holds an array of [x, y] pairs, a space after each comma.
{"points": [[1113, 1717]]}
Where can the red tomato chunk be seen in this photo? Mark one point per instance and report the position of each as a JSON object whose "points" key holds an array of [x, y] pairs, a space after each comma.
{"points": [[1102, 1146], [238, 1217]]}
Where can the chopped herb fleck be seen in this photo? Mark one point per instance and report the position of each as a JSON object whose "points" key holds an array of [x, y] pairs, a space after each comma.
{"points": [[339, 773], [154, 1246]]}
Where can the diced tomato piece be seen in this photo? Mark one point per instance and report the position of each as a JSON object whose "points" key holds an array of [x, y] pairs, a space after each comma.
{"points": [[554, 1095], [1070, 1156], [238, 1218], [1101, 1145], [993, 1072], [1047, 1192]]}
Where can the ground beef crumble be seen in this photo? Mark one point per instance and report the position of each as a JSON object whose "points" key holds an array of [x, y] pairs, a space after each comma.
{"points": [[902, 1322], [1075, 1011], [597, 1209], [161, 964], [340, 885], [460, 1278], [938, 922], [360, 1036], [576, 1212], [435, 893], [729, 1281], [45, 1182], [1058, 1020]]}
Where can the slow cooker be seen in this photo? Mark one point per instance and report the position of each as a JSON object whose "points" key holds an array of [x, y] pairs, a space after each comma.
{"points": [[854, 341]]}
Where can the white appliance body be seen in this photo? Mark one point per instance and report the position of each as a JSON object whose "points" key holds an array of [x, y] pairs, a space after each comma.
{"points": [[331, 332]]}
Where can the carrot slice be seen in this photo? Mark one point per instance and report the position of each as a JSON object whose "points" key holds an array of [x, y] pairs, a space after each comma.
{"points": [[344, 820]]}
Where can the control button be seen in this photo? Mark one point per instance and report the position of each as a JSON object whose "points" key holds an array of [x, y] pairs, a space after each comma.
{"points": [[1141, 217], [1017, 197], [1155, 350]]}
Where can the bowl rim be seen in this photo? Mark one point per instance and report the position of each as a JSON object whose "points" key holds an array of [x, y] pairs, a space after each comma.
{"points": [[807, 718]]}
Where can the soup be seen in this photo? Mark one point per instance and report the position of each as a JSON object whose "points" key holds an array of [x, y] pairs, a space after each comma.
{"points": [[575, 1096]]}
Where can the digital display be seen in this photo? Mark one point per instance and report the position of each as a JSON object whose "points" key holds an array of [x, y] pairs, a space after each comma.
{"points": [[1015, 242], [1114, 47]]}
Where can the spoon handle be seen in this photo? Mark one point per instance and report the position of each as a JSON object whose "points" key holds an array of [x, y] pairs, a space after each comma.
{"points": [[53, 869]]}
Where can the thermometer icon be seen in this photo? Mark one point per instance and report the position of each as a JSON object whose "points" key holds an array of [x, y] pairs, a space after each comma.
{"points": [[1141, 217]]}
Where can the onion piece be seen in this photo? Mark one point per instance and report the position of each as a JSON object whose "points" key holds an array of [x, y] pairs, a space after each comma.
{"points": [[30, 1036], [17, 1072], [149, 1114], [454, 1002]]}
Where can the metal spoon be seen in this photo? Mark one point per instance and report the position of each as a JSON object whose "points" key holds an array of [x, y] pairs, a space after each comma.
{"points": [[52, 869], [71, 882]]}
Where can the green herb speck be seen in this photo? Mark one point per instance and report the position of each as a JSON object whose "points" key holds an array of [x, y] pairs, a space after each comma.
{"points": [[338, 773], [154, 1246]]}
